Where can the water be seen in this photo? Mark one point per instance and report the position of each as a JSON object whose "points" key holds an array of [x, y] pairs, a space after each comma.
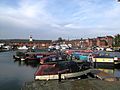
{"points": [[13, 75], [115, 72]]}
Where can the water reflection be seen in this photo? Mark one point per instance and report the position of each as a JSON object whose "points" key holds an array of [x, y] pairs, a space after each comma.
{"points": [[31, 64], [13, 74], [110, 71], [115, 72]]}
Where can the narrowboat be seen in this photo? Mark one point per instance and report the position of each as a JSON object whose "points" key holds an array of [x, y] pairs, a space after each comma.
{"points": [[69, 52], [103, 61], [51, 71], [19, 55], [33, 56], [106, 59], [116, 56], [81, 56], [51, 59]]}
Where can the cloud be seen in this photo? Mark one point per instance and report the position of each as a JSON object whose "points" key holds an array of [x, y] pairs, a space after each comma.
{"points": [[28, 13], [46, 19]]}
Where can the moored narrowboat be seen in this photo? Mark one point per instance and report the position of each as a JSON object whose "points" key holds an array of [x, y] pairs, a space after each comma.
{"points": [[51, 59], [67, 69], [101, 61], [106, 59], [33, 56], [19, 55]]}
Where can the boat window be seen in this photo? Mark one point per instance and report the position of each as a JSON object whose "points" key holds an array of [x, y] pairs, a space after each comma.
{"points": [[59, 58], [39, 56], [53, 59]]}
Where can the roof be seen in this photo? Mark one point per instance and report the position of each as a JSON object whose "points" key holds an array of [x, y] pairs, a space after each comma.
{"points": [[105, 37], [109, 36], [22, 40]]}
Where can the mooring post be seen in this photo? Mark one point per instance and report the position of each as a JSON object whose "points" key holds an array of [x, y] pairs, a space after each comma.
{"points": [[60, 73], [95, 64], [59, 77]]}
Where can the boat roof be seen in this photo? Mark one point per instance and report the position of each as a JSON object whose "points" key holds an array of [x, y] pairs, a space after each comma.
{"points": [[104, 57], [52, 69], [44, 53], [107, 54]]}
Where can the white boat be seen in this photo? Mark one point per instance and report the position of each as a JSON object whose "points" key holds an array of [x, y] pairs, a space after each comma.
{"points": [[22, 48]]}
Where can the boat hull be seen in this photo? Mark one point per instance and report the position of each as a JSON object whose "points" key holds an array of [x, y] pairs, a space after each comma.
{"points": [[16, 57], [63, 76], [103, 65], [31, 60], [103, 62]]}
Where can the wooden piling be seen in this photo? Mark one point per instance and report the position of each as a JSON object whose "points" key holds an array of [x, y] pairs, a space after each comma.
{"points": [[61, 72], [59, 75]]}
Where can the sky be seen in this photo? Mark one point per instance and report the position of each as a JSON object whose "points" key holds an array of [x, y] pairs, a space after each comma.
{"points": [[50, 19]]}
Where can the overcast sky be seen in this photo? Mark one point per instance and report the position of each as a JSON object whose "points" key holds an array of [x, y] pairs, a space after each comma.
{"points": [[50, 19]]}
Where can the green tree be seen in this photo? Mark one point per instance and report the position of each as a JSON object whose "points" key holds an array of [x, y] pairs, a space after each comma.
{"points": [[117, 40], [60, 39]]}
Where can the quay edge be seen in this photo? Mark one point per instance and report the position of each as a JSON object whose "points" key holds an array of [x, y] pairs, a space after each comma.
{"points": [[83, 84]]}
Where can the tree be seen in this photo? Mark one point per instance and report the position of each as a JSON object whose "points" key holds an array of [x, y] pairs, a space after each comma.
{"points": [[60, 39], [117, 40]]}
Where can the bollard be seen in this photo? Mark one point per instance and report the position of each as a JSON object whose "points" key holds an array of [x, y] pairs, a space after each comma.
{"points": [[95, 64], [59, 77], [60, 73]]}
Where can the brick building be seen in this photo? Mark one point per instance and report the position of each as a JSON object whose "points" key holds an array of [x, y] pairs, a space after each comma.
{"points": [[26, 42], [106, 41]]}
